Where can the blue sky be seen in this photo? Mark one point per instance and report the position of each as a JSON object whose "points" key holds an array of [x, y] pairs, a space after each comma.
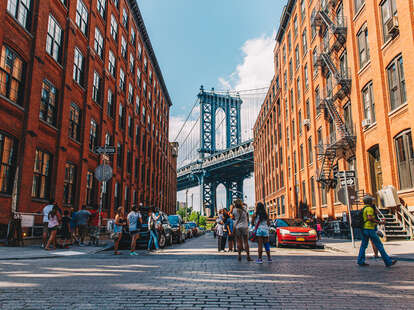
{"points": [[215, 43]]}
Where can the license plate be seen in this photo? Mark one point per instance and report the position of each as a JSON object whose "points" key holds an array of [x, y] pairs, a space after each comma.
{"points": [[300, 239]]}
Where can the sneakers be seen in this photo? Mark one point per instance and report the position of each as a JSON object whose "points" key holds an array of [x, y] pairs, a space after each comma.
{"points": [[133, 253], [363, 265], [269, 260], [259, 261], [394, 261]]}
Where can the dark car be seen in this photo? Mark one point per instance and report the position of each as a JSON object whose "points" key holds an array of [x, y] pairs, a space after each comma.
{"points": [[179, 231], [164, 232]]}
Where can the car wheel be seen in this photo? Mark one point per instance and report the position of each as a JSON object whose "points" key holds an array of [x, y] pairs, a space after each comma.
{"points": [[171, 240], [162, 242]]}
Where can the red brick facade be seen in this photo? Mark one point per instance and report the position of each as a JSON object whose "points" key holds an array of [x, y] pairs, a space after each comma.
{"points": [[39, 107], [376, 56]]}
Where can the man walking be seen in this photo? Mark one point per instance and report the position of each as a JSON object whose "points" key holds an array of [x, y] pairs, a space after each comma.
{"points": [[82, 218], [369, 231]]}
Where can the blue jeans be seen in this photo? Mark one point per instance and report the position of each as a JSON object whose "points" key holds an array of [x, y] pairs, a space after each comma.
{"points": [[372, 234], [153, 237]]}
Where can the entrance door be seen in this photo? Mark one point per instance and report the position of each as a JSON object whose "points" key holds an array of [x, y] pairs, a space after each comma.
{"points": [[375, 169]]}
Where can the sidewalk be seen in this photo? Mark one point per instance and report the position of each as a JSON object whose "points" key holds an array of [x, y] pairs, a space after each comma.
{"points": [[36, 252], [400, 249]]}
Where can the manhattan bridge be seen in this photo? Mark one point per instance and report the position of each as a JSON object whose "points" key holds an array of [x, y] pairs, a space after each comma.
{"points": [[216, 144]]}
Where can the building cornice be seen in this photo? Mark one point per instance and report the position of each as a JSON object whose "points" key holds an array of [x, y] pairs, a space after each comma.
{"points": [[284, 20]]}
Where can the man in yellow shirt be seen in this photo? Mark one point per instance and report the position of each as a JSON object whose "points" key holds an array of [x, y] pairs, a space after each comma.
{"points": [[369, 231]]}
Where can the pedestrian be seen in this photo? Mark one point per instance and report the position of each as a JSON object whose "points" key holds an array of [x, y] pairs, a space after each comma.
{"points": [[82, 218], [220, 231], [119, 224], [45, 213], [241, 227], [152, 231], [319, 229], [261, 221], [213, 228], [73, 224], [134, 226], [53, 224], [369, 233], [94, 226], [230, 231], [66, 234]]}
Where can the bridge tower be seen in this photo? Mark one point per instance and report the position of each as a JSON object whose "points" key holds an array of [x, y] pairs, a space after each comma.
{"points": [[210, 102]]}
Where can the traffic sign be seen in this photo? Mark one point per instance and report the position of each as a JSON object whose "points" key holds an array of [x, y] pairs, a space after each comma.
{"points": [[349, 182], [103, 173], [105, 149], [342, 174]]}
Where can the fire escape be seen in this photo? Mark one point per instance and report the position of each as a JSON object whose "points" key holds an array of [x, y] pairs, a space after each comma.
{"points": [[341, 142]]}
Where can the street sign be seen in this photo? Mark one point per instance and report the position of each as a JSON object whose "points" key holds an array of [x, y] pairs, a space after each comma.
{"points": [[342, 174], [349, 182], [105, 149], [103, 173]]}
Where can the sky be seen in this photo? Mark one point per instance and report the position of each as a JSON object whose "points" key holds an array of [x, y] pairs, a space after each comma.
{"points": [[225, 44]]}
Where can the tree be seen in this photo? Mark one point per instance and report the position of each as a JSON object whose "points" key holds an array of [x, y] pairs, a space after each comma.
{"points": [[183, 213]]}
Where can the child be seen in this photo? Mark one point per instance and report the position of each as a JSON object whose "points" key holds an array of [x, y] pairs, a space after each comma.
{"points": [[66, 235]]}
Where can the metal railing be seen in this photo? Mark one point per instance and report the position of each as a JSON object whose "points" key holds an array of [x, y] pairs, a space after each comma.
{"points": [[406, 218]]}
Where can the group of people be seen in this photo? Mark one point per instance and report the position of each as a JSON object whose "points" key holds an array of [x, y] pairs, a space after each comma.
{"points": [[133, 220], [233, 226], [74, 226]]}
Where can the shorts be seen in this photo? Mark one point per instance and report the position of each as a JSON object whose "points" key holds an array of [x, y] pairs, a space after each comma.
{"points": [[45, 227], [241, 232], [231, 238], [134, 232], [83, 229], [262, 232], [52, 228]]}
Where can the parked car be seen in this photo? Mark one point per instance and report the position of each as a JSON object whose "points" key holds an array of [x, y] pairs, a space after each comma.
{"points": [[179, 232], [293, 232], [189, 230], [194, 228]]}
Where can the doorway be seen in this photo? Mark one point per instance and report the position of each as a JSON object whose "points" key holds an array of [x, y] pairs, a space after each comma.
{"points": [[375, 169]]}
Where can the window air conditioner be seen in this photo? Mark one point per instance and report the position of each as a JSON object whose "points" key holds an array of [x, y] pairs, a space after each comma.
{"points": [[392, 26], [366, 122]]}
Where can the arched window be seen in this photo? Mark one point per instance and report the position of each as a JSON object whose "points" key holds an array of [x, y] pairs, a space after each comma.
{"points": [[405, 159]]}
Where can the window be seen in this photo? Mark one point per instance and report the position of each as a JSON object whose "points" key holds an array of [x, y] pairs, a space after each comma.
{"points": [[124, 18], [90, 188], [298, 88], [363, 47], [110, 107], [123, 47], [396, 83], [324, 197], [312, 184], [290, 70], [310, 150], [139, 50], [101, 6], [133, 36], [301, 159], [319, 136], [130, 93], [20, 10], [120, 155], [121, 117], [304, 199], [284, 54], [388, 11], [8, 162], [295, 163], [116, 195], [111, 63], [315, 61], [289, 42], [295, 26], [348, 118], [114, 28], [282, 204], [313, 28], [54, 39], [137, 136], [307, 106], [304, 42], [121, 79], [369, 104], [300, 122], [69, 184], [78, 67], [96, 89], [358, 5], [41, 175], [405, 159], [131, 62], [129, 161], [302, 9], [82, 16], [116, 3], [11, 75], [138, 76], [137, 103], [297, 61], [48, 103], [343, 64], [99, 42], [130, 127], [74, 122], [317, 100], [329, 84], [93, 135], [306, 76]]}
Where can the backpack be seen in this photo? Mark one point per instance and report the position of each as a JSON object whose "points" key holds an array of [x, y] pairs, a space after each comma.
{"points": [[357, 217]]}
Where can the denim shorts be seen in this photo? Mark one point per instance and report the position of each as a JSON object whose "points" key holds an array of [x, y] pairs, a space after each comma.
{"points": [[262, 232]]}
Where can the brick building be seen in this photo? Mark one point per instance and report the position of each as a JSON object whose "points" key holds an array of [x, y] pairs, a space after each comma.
{"points": [[75, 75], [339, 100]]}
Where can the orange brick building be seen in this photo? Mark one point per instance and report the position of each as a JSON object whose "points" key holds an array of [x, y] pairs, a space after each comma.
{"points": [[75, 75], [340, 100]]}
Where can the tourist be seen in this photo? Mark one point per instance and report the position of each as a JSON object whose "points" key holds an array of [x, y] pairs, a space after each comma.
{"points": [[261, 221], [230, 232], [152, 231], [45, 213], [120, 222], [53, 224], [73, 225], [369, 232], [134, 225], [241, 227], [319, 229], [220, 231], [66, 235], [94, 226], [82, 218]]}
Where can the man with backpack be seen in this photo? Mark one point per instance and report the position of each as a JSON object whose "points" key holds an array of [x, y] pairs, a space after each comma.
{"points": [[369, 231]]}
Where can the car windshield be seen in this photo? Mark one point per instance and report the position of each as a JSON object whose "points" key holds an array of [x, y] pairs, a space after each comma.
{"points": [[173, 219], [290, 223]]}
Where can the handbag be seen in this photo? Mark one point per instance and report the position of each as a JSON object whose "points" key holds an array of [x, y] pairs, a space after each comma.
{"points": [[254, 232], [115, 235]]}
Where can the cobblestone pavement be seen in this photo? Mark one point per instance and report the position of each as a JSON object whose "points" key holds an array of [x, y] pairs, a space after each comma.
{"points": [[194, 276]]}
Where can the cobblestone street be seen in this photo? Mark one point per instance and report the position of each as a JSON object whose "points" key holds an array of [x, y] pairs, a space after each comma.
{"points": [[194, 276]]}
